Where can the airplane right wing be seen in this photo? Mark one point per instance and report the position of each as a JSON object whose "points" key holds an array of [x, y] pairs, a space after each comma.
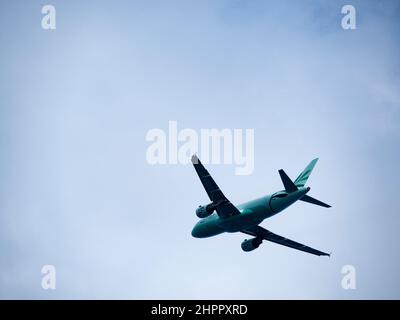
{"points": [[224, 207], [264, 234]]}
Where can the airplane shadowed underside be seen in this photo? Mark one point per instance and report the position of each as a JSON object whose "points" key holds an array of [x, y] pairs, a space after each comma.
{"points": [[222, 216]]}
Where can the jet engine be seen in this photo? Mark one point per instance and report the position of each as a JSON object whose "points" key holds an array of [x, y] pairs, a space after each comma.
{"points": [[251, 244], [205, 211]]}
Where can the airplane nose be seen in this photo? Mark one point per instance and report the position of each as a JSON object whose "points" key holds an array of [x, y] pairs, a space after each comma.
{"points": [[308, 189]]}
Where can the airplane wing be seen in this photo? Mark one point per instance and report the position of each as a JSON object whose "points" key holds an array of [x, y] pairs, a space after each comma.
{"points": [[268, 235], [223, 206]]}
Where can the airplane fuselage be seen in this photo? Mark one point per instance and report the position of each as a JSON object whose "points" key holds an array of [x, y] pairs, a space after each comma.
{"points": [[252, 213]]}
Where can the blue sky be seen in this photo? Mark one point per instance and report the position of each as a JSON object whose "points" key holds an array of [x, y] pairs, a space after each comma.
{"points": [[76, 103]]}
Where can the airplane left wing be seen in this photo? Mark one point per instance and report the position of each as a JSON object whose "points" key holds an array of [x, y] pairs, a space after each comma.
{"points": [[269, 236], [224, 207]]}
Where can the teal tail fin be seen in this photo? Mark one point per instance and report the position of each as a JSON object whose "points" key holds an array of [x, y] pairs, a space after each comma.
{"points": [[303, 176], [301, 180]]}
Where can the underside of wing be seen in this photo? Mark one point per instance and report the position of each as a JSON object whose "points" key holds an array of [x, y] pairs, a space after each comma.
{"points": [[269, 236], [224, 207]]}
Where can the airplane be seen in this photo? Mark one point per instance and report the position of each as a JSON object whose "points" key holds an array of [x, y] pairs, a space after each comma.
{"points": [[221, 215]]}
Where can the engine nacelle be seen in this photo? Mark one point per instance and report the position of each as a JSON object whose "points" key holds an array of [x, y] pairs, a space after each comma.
{"points": [[205, 211], [251, 244]]}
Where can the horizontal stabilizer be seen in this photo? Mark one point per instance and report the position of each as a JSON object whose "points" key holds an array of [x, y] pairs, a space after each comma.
{"points": [[309, 199], [289, 185]]}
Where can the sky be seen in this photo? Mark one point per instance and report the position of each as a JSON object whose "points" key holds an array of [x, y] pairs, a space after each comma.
{"points": [[76, 189]]}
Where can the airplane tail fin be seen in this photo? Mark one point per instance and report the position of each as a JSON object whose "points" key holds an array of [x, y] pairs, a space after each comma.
{"points": [[300, 181], [303, 176]]}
